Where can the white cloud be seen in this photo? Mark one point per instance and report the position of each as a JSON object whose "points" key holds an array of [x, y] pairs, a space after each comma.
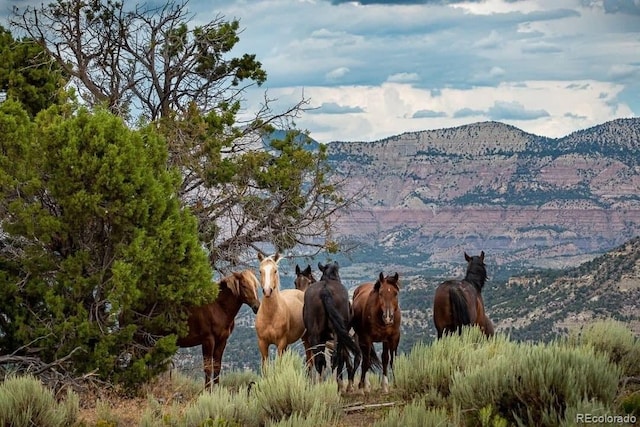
{"points": [[547, 108], [385, 69], [403, 78], [337, 73]]}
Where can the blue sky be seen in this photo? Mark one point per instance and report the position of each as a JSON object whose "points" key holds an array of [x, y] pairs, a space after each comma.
{"points": [[373, 69]]}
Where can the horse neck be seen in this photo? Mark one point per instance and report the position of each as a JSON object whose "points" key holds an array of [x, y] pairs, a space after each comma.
{"points": [[229, 301], [476, 279], [272, 303]]}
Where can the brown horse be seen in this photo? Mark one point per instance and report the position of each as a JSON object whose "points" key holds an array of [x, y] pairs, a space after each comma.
{"points": [[327, 317], [210, 325], [303, 278], [279, 319], [376, 318], [459, 303]]}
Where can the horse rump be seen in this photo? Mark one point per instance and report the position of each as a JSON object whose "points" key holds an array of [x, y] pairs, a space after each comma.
{"points": [[459, 310]]}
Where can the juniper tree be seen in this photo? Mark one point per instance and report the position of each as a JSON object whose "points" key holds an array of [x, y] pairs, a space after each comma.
{"points": [[148, 63], [98, 258], [28, 73]]}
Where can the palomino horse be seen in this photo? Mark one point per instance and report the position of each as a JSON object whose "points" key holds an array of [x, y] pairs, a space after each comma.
{"points": [[327, 317], [376, 318], [279, 319], [459, 303], [210, 325], [303, 278]]}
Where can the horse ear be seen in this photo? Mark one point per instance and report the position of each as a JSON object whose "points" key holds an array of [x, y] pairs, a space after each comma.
{"points": [[321, 267], [482, 256], [307, 270], [376, 286], [277, 257], [395, 278], [298, 271], [467, 257], [260, 256]]}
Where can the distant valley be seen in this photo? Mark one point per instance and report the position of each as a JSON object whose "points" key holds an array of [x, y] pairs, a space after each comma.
{"points": [[558, 219]]}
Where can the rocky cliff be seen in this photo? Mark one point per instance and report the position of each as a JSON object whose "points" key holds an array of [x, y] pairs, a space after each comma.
{"points": [[526, 198]]}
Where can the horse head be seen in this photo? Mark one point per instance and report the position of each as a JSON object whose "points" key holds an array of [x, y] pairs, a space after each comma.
{"points": [[269, 277], [387, 289], [245, 285], [303, 278], [476, 270], [329, 271]]}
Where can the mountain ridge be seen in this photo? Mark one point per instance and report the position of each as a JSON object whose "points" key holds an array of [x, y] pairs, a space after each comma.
{"points": [[493, 184]]}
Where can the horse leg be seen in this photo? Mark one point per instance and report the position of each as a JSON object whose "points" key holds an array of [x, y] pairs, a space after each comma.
{"points": [[263, 346], [351, 369], [365, 349], [308, 352], [207, 360], [217, 359], [385, 364], [282, 346]]}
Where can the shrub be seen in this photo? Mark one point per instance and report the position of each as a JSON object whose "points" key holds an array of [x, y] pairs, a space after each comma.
{"points": [[614, 339], [222, 407], [630, 404], [428, 369], [285, 390], [25, 401], [418, 414], [283, 396], [535, 384]]}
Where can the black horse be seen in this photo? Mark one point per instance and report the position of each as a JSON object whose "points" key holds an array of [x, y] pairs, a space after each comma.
{"points": [[458, 303], [327, 317]]}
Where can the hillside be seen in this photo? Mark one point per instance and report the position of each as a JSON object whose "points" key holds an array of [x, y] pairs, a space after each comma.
{"points": [[543, 305], [545, 211], [528, 199]]}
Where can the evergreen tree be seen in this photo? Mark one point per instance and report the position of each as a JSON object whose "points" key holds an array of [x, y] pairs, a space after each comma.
{"points": [[28, 73], [246, 188], [98, 258]]}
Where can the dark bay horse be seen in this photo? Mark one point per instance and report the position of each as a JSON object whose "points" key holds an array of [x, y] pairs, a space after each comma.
{"points": [[327, 317], [458, 303], [210, 325], [303, 278], [376, 318]]}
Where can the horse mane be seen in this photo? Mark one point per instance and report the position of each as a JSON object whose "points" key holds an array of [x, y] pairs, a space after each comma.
{"points": [[232, 281]]}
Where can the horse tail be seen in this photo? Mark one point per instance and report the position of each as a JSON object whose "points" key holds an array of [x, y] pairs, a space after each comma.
{"points": [[338, 324], [459, 309]]}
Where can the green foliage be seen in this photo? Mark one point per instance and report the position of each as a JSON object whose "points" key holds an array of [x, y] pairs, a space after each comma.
{"points": [[429, 369], [103, 259], [496, 380], [28, 74], [418, 414], [630, 403], [25, 402], [284, 395], [614, 340], [222, 407], [285, 389]]}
